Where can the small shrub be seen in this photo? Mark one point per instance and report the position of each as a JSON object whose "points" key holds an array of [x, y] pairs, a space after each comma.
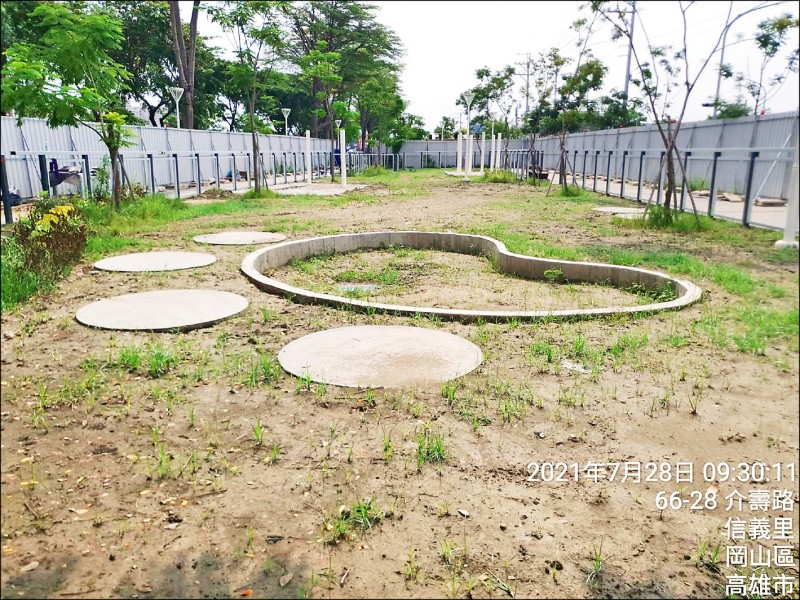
{"points": [[499, 177], [373, 171], [42, 249], [52, 237]]}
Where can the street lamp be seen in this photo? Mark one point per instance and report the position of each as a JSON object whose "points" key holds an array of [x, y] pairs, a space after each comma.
{"points": [[286, 112], [177, 92], [468, 98]]}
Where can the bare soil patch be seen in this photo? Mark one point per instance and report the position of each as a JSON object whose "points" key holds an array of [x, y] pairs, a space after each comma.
{"points": [[189, 465], [430, 278]]}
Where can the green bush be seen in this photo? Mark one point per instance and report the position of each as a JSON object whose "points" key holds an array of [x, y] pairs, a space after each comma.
{"points": [[16, 283], [42, 249], [373, 171], [52, 237], [499, 177]]}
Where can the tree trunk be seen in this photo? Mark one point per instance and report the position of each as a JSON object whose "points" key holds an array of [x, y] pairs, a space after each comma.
{"points": [[670, 191], [185, 57], [333, 151], [254, 134], [116, 178]]}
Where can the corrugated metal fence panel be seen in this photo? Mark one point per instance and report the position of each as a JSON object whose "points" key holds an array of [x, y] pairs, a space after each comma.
{"points": [[767, 133]]}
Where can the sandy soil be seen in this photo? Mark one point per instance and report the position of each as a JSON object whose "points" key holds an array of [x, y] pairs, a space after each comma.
{"points": [[119, 484]]}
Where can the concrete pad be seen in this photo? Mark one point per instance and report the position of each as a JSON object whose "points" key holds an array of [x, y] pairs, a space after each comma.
{"points": [[155, 261], [162, 310], [380, 356], [636, 215], [239, 238], [731, 197], [770, 202], [619, 210]]}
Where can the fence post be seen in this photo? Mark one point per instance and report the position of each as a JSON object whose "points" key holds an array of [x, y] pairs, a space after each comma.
{"points": [[712, 198], [585, 156], [788, 240], [6, 194], [622, 183], [177, 177], [660, 187], [594, 175], [43, 174], [152, 164], [294, 166], [88, 175], [216, 169], [274, 168], [608, 173], [639, 182], [685, 179], [199, 187], [748, 196], [247, 172], [234, 171]]}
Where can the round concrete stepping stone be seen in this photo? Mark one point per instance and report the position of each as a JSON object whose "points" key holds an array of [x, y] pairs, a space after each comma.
{"points": [[380, 356], [629, 216], [155, 261], [162, 310], [619, 210], [239, 238]]}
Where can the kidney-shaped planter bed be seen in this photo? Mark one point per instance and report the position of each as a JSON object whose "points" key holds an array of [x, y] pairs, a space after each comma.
{"points": [[263, 260]]}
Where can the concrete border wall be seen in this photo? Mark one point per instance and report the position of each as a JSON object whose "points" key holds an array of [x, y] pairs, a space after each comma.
{"points": [[257, 263]]}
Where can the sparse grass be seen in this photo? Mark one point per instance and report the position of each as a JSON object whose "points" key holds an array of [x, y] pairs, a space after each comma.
{"points": [[346, 521], [430, 448]]}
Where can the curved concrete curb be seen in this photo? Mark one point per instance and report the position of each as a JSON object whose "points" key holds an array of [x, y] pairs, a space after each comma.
{"points": [[526, 267]]}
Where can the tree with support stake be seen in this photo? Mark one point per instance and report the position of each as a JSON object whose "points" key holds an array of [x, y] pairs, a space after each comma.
{"points": [[664, 65]]}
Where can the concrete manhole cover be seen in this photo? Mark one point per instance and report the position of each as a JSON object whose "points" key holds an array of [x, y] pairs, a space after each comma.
{"points": [[380, 356], [162, 310], [155, 261], [239, 238]]}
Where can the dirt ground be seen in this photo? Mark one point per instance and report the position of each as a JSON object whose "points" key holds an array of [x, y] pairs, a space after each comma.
{"points": [[119, 481]]}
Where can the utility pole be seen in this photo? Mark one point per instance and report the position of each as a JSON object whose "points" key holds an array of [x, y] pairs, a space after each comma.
{"points": [[527, 65], [630, 54]]}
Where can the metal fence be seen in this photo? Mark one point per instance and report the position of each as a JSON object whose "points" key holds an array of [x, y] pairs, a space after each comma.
{"points": [[748, 156], [773, 137], [158, 157]]}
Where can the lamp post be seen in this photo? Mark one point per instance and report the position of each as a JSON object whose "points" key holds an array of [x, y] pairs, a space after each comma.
{"points": [[468, 98], [286, 112], [177, 92]]}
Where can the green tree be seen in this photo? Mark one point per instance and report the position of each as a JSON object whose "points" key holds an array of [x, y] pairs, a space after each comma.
{"points": [[68, 77], [771, 37], [446, 129], [367, 51], [321, 67], [257, 37]]}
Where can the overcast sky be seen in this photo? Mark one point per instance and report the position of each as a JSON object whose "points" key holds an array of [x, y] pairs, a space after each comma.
{"points": [[445, 42]]}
